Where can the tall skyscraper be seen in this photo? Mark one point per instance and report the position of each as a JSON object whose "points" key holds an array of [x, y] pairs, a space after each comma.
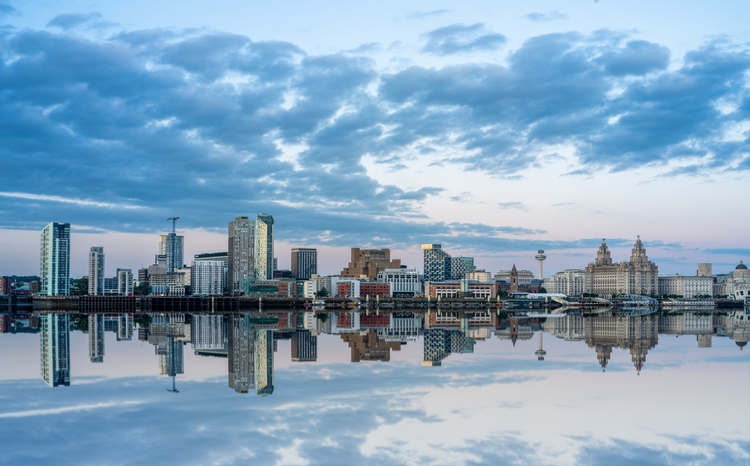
{"points": [[369, 262], [263, 362], [54, 351], [304, 263], [55, 260], [241, 253], [264, 246], [437, 263], [240, 354], [304, 346], [96, 337], [96, 271], [166, 249]]}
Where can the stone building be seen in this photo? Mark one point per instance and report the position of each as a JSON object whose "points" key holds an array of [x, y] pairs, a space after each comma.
{"points": [[738, 283], [607, 279]]}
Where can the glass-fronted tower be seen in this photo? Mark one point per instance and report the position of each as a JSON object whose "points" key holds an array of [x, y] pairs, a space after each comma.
{"points": [[263, 246], [166, 247], [54, 351], [55, 260], [437, 263]]}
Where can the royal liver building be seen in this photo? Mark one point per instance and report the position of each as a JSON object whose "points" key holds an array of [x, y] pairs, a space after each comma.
{"points": [[637, 276]]}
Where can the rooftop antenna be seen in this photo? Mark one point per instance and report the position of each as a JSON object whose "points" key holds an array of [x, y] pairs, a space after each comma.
{"points": [[174, 239]]}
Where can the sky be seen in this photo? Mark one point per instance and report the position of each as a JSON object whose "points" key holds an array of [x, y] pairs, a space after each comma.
{"points": [[492, 128]]}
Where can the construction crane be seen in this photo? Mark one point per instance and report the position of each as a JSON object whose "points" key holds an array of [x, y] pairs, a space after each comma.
{"points": [[174, 240]]}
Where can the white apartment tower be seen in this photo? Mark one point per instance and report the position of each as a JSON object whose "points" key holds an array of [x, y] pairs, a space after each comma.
{"points": [[263, 246], [54, 261], [96, 271]]}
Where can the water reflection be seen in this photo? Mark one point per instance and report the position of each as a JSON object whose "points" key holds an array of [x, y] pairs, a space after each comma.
{"points": [[249, 340]]}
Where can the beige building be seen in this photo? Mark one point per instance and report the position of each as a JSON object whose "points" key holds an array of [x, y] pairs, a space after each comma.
{"points": [[686, 286], [368, 262], [607, 279], [738, 283]]}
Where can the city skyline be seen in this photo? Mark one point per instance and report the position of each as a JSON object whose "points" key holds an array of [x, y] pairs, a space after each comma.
{"points": [[492, 154]]}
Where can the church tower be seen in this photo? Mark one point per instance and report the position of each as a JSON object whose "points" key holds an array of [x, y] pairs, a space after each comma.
{"points": [[514, 279]]}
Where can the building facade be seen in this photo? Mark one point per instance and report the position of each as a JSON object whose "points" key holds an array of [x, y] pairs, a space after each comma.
{"points": [[96, 271], [405, 283], [637, 276], [524, 276], [207, 277], [437, 263], [54, 351], [460, 266], [55, 260], [125, 282], [686, 286], [304, 263], [263, 246], [569, 282], [240, 254], [368, 262], [737, 285]]}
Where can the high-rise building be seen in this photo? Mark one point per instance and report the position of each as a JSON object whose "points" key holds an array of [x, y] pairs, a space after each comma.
{"points": [[96, 271], [437, 263], [124, 282], [263, 362], [304, 263], [125, 327], [263, 246], [208, 274], [54, 349], [240, 355], [304, 346], [241, 253], [170, 244], [96, 337], [5, 285], [55, 260], [368, 262], [207, 332]]}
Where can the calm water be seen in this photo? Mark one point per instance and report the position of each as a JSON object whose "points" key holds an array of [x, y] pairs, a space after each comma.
{"points": [[344, 388]]}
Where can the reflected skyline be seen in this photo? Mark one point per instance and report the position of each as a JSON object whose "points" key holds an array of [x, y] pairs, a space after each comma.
{"points": [[249, 340]]}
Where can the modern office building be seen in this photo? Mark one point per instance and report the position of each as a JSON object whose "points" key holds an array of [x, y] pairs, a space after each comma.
{"points": [[55, 260], [172, 246], [96, 271], [54, 349], [125, 327], [304, 346], [96, 337], [263, 246], [405, 283], [479, 275], [304, 263], [460, 266], [437, 263], [241, 253], [207, 332], [637, 276]]}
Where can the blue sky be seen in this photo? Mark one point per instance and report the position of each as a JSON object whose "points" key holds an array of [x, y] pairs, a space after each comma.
{"points": [[495, 129]]}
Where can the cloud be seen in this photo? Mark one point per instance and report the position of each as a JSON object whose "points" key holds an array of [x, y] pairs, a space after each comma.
{"points": [[7, 10], [67, 21], [729, 251], [90, 127], [427, 14], [460, 38], [551, 16], [510, 205], [67, 409]]}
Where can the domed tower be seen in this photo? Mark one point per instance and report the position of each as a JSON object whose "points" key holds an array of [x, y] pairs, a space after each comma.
{"points": [[638, 255], [603, 256]]}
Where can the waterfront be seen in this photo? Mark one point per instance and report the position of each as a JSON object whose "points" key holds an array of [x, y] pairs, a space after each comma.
{"points": [[674, 389]]}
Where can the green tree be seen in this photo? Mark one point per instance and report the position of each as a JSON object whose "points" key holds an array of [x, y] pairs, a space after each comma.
{"points": [[80, 287], [323, 293]]}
